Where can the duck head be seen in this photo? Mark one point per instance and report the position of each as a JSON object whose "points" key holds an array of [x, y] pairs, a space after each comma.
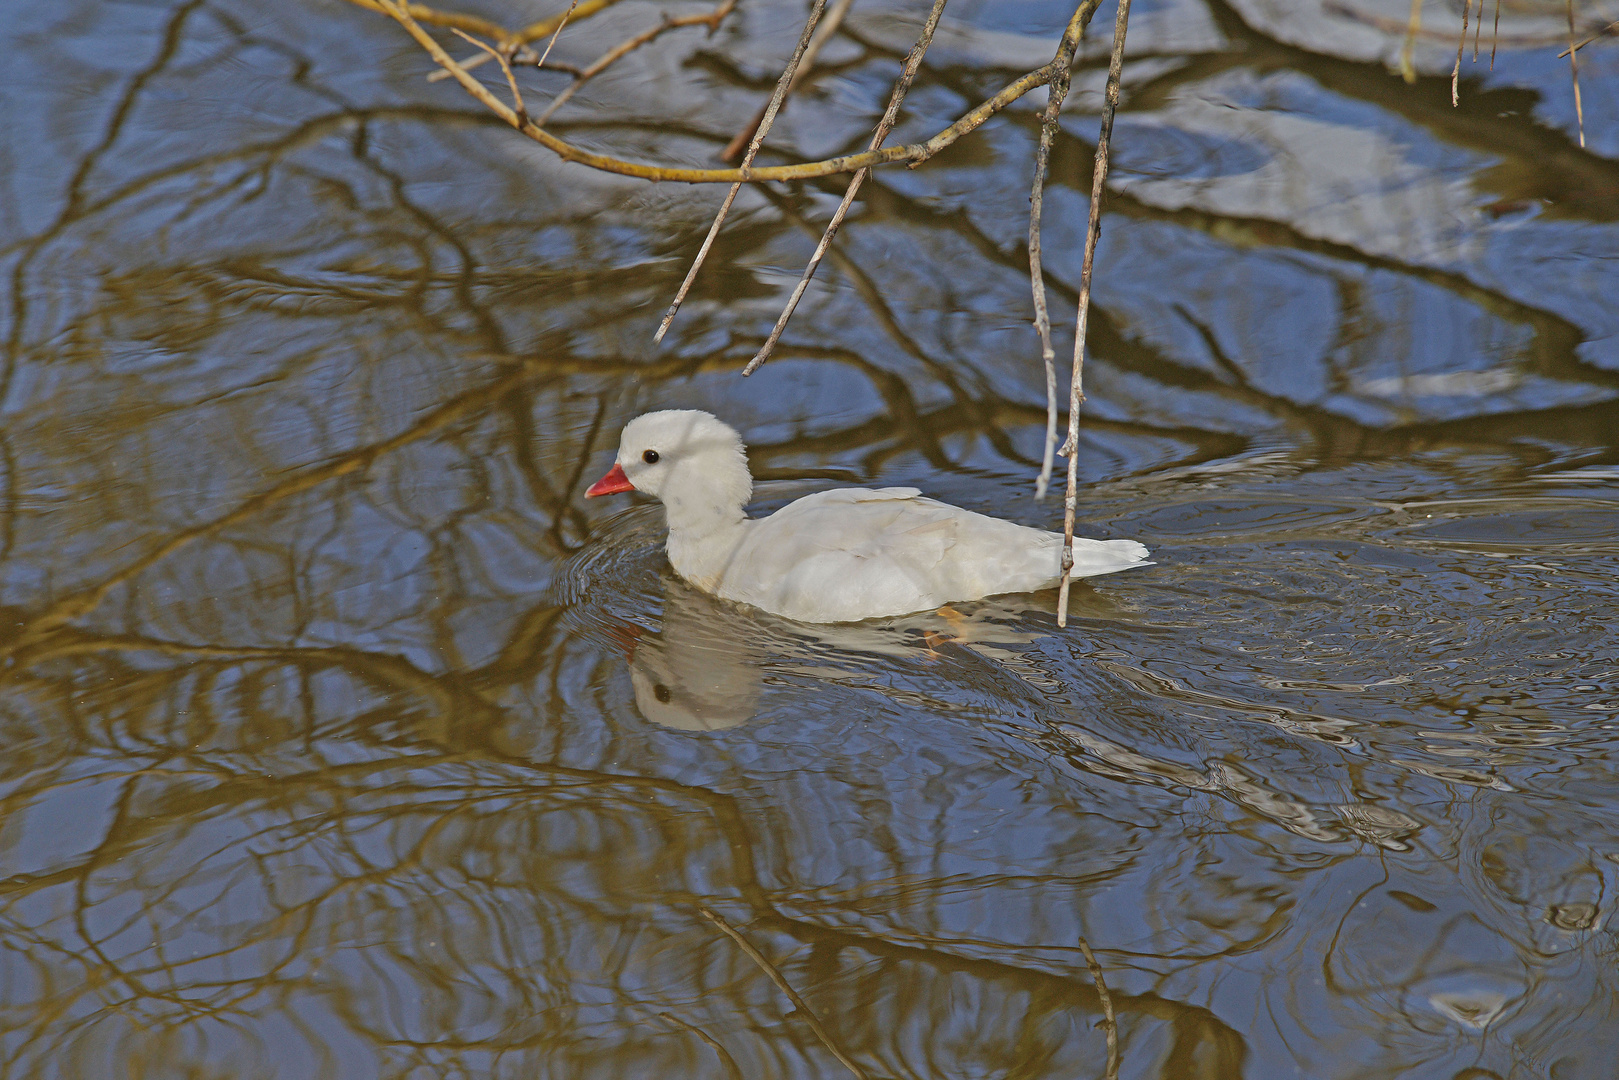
{"points": [[691, 461]]}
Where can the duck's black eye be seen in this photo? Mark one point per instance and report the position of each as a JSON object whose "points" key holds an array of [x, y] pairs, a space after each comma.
{"points": [[650, 457], [660, 691]]}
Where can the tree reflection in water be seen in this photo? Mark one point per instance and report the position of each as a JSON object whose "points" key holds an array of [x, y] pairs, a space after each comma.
{"points": [[329, 744]]}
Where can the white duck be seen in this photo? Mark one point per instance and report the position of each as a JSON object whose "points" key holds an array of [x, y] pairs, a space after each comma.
{"points": [[836, 556]]}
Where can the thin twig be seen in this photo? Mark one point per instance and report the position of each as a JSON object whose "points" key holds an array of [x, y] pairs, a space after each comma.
{"points": [[823, 34], [776, 977], [776, 99], [566, 15], [1610, 29], [907, 73], [1574, 72], [1348, 10], [1058, 90], [1408, 51], [475, 25], [505, 66], [1461, 46], [1110, 1022], [624, 48], [912, 153], [1495, 36], [1076, 391]]}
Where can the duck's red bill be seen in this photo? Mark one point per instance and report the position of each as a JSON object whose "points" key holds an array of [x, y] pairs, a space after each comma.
{"points": [[614, 482]]}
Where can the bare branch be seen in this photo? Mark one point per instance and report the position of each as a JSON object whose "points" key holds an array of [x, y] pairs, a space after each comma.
{"points": [[1076, 392], [624, 48], [1607, 31], [823, 34], [912, 153], [1064, 61], [505, 66], [483, 27], [792, 995], [776, 99], [549, 45], [907, 73], [1574, 71], [1408, 51], [1461, 46]]}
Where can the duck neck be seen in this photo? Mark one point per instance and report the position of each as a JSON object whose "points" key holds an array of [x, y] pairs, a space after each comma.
{"points": [[699, 519], [706, 523]]}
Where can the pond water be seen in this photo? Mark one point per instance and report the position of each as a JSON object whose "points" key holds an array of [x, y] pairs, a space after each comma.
{"points": [[343, 738]]}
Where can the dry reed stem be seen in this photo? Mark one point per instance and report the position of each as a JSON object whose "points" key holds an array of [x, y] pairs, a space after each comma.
{"points": [[1574, 72], [1076, 389], [758, 139], [823, 34], [907, 73], [1110, 1022], [792, 995], [1057, 91], [712, 20], [912, 153]]}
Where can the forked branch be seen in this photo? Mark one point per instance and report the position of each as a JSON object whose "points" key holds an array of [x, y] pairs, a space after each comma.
{"points": [[760, 131], [911, 153], [884, 126]]}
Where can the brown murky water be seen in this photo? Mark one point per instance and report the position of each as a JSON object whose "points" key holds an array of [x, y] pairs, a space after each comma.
{"points": [[343, 739]]}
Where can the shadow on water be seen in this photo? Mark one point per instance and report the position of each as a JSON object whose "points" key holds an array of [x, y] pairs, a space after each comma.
{"points": [[343, 739]]}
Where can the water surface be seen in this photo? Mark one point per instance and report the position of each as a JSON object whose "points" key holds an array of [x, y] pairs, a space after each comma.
{"points": [[343, 738]]}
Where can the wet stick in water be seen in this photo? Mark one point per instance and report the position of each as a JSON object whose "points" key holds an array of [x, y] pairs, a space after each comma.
{"points": [[884, 126], [1076, 387], [792, 995], [732, 1070], [758, 139], [1110, 1022]]}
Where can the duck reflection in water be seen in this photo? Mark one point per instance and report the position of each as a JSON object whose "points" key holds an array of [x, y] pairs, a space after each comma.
{"points": [[700, 672], [703, 669]]}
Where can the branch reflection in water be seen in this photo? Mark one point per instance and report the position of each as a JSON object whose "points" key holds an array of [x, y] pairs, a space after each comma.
{"points": [[324, 699]]}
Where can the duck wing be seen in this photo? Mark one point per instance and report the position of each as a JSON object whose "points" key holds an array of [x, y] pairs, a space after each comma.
{"points": [[859, 553]]}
